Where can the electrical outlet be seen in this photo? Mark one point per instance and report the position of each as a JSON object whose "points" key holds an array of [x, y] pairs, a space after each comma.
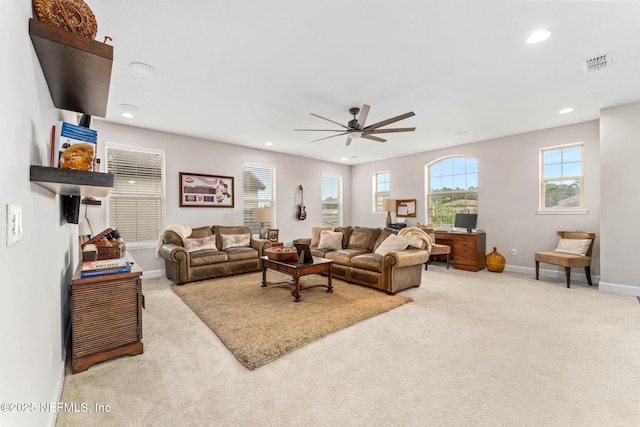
{"points": [[513, 251], [14, 224]]}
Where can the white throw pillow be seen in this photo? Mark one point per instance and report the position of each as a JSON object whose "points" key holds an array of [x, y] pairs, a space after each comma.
{"points": [[200, 244], [574, 246], [392, 243], [235, 240], [330, 240]]}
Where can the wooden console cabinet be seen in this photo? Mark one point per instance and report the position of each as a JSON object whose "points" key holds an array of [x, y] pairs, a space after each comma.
{"points": [[106, 317], [468, 250]]}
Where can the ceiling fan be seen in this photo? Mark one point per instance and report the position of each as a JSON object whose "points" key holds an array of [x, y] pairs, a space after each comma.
{"points": [[356, 128]]}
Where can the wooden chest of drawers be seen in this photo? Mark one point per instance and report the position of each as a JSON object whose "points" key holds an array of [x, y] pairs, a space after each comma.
{"points": [[468, 250]]}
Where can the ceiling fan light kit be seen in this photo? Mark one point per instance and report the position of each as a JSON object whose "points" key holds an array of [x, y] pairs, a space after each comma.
{"points": [[356, 128]]}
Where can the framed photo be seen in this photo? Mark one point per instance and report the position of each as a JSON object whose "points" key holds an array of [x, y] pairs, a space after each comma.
{"points": [[406, 208], [272, 234], [206, 191]]}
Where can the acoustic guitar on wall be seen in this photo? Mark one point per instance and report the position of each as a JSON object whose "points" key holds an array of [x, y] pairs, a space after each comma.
{"points": [[302, 214]]}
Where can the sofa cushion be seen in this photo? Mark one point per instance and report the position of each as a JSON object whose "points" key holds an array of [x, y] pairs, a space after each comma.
{"points": [[315, 235], [574, 246], [199, 232], [330, 241], [392, 243], [240, 253], [207, 257], [344, 256], [235, 240], [363, 238], [368, 261], [346, 234], [200, 243]]}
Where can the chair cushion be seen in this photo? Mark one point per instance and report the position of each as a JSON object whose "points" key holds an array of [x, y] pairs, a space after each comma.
{"points": [[438, 249], [574, 246], [565, 260], [330, 241]]}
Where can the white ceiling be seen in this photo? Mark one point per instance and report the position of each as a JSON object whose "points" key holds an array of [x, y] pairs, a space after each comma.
{"points": [[249, 72]]}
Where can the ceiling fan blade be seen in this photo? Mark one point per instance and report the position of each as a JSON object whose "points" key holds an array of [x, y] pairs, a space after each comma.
{"points": [[390, 130], [329, 120], [327, 137], [364, 112], [320, 130], [389, 121], [373, 138]]}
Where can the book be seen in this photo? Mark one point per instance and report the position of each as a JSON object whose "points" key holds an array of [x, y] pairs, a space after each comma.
{"points": [[105, 263], [75, 146], [104, 271]]}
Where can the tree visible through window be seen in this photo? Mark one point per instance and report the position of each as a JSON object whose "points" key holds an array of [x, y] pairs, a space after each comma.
{"points": [[382, 185], [562, 174], [331, 200], [453, 188], [135, 206]]}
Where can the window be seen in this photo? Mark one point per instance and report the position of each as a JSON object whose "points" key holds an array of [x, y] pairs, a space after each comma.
{"points": [[135, 206], [562, 175], [331, 200], [381, 187], [258, 192], [453, 188]]}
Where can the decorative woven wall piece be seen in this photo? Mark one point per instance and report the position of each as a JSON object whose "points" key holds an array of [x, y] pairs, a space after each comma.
{"points": [[71, 15]]}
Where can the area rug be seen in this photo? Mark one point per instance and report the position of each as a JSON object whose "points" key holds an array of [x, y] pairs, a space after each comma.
{"points": [[260, 324]]}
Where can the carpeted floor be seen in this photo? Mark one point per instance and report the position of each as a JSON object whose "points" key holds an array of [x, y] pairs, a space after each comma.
{"points": [[260, 324], [472, 349]]}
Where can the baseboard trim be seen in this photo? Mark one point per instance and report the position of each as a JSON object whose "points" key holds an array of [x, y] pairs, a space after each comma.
{"points": [[577, 274], [150, 274], [620, 289]]}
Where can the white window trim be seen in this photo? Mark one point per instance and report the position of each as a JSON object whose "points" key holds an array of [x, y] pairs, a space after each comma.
{"points": [[340, 195], [374, 187], [559, 211]]}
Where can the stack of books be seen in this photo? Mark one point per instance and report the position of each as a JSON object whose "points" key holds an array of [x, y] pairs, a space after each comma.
{"points": [[105, 266]]}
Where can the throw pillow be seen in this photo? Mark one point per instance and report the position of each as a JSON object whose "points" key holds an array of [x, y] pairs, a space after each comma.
{"points": [[574, 246], [200, 243], [315, 235], [235, 240], [392, 243], [330, 241]]}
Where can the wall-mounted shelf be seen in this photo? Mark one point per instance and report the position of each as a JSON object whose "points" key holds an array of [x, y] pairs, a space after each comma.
{"points": [[72, 182], [77, 69]]}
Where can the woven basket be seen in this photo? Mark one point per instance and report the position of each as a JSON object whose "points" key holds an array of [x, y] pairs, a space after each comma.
{"points": [[71, 15]]}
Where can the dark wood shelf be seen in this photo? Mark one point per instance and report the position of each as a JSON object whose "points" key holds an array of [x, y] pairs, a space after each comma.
{"points": [[71, 182], [77, 69]]}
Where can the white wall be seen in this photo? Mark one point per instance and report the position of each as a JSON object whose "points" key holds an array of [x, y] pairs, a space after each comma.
{"points": [[185, 154], [508, 192], [36, 271], [620, 187]]}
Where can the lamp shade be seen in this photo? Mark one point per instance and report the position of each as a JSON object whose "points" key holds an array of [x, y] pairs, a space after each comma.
{"points": [[389, 205], [261, 214]]}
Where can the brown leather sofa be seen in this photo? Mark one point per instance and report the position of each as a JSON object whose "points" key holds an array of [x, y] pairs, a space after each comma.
{"points": [[357, 261], [210, 252]]}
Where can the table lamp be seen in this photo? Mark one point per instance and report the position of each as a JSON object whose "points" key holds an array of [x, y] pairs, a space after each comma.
{"points": [[389, 205], [261, 215]]}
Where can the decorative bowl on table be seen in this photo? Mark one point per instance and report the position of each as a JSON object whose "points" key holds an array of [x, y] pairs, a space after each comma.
{"points": [[282, 253]]}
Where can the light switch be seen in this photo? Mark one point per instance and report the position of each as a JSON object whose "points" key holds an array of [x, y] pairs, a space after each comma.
{"points": [[14, 224]]}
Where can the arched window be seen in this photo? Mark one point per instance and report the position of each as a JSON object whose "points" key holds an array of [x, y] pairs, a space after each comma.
{"points": [[453, 188]]}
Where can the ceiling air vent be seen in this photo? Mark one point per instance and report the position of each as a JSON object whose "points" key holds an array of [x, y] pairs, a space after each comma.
{"points": [[596, 63]]}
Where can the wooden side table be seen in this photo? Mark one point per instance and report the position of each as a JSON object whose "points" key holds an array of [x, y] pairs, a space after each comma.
{"points": [[276, 244], [106, 317]]}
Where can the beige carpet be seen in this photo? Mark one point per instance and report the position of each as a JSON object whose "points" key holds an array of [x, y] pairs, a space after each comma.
{"points": [[260, 324]]}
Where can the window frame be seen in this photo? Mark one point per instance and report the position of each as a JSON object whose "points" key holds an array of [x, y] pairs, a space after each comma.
{"points": [[563, 210], [430, 211], [162, 196], [248, 203], [380, 195], [340, 203]]}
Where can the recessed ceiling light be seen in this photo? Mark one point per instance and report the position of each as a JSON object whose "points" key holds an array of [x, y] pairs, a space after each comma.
{"points": [[129, 107], [344, 159], [143, 68], [268, 143], [538, 36], [127, 115], [565, 110]]}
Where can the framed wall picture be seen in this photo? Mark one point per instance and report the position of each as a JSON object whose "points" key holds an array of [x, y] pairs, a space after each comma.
{"points": [[406, 208], [272, 234], [206, 191]]}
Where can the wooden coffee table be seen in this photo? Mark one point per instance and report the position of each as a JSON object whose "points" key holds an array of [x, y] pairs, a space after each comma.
{"points": [[295, 270]]}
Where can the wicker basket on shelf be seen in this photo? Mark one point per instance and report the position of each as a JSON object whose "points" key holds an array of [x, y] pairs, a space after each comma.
{"points": [[72, 15]]}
